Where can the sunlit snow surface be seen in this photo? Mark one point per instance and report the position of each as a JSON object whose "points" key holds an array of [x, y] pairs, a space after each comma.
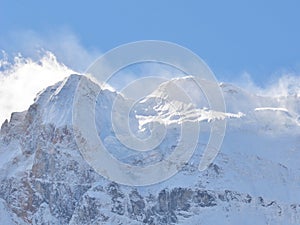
{"points": [[259, 156]]}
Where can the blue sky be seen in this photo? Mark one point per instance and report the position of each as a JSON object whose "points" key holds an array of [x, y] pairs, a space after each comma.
{"points": [[261, 38]]}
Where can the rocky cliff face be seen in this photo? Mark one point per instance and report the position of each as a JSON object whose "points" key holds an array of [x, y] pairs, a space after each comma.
{"points": [[45, 180]]}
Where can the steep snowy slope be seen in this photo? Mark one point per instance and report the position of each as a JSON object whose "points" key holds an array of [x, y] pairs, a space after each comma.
{"points": [[254, 179]]}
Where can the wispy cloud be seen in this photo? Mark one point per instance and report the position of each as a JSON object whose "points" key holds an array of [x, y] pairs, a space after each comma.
{"points": [[23, 78], [32, 61], [49, 58], [62, 42], [287, 84]]}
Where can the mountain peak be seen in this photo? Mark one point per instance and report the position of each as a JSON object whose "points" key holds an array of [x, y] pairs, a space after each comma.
{"points": [[44, 176]]}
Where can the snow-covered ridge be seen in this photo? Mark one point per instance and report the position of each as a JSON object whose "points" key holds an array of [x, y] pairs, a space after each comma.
{"points": [[271, 109], [57, 103], [254, 179]]}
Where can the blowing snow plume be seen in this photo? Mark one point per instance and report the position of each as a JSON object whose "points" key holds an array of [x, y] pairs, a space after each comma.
{"points": [[22, 78]]}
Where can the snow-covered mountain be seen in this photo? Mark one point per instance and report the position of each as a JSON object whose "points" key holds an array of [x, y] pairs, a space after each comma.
{"points": [[255, 179]]}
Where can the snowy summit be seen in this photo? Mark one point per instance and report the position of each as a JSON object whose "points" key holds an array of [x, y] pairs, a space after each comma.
{"points": [[253, 180]]}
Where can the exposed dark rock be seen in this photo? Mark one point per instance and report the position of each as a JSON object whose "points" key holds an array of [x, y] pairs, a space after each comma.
{"points": [[204, 198]]}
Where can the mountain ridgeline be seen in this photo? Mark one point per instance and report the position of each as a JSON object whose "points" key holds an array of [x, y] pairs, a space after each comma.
{"points": [[255, 178]]}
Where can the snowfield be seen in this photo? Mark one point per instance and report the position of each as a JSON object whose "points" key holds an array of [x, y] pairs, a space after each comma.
{"points": [[255, 178]]}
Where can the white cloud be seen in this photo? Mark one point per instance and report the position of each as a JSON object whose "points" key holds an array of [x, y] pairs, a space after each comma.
{"points": [[45, 60], [62, 42], [288, 84], [23, 78]]}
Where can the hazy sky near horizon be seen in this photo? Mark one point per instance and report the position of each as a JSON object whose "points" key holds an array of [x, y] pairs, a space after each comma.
{"points": [[234, 37]]}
